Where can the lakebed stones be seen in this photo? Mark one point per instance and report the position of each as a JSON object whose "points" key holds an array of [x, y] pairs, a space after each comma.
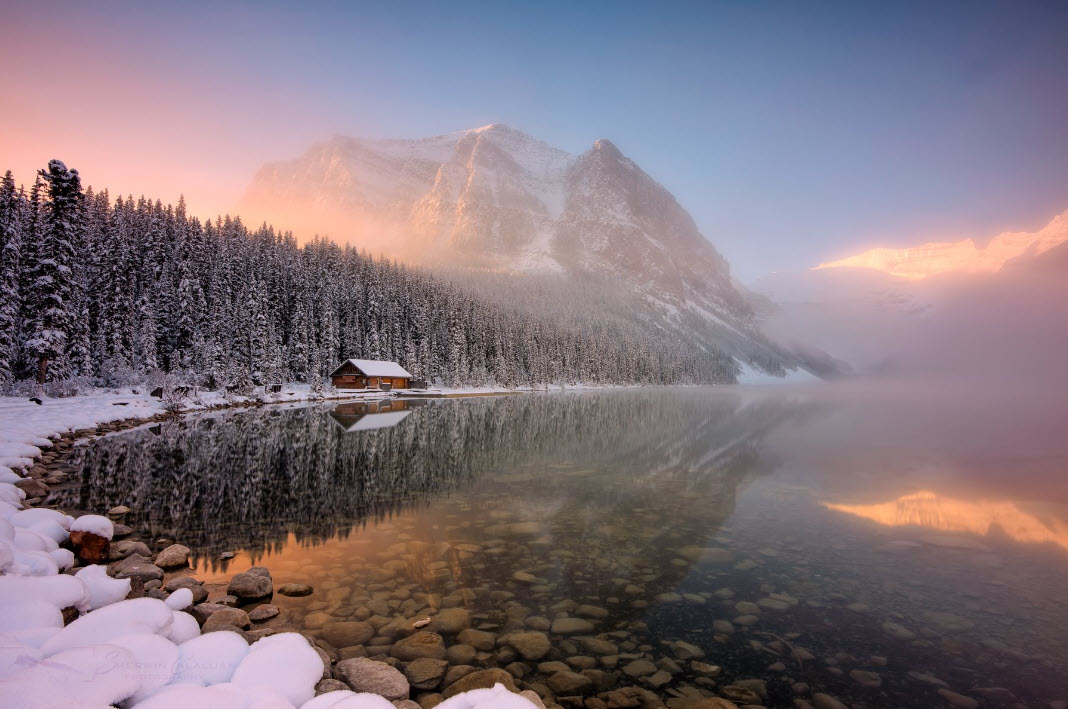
{"points": [[568, 683], [120, 550], [450, 620], [254, 583], [425, 672], [347, 633], [571, 626], [532, 645], [296, 589], [867, 679], [421, 644], [364, 675], [482, 679]]}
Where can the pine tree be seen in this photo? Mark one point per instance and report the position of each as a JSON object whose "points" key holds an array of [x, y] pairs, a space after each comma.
{"points": [[10, 261], [51, 278]]}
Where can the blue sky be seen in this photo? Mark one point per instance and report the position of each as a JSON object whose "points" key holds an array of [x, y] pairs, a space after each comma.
{"points": [[794, 132]]}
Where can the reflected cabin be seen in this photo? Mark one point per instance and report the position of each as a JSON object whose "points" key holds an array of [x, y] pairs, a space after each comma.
{"points": [[370, 374]]}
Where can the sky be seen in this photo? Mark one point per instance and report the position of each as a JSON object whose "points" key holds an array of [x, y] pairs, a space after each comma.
{"points": [[794, 132]]}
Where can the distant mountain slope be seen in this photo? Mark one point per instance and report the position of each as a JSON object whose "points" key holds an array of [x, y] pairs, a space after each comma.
{"points": [[497, 200]]}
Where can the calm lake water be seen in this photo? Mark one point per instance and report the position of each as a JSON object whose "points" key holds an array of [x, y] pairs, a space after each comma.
{"points": [[873, 544]]}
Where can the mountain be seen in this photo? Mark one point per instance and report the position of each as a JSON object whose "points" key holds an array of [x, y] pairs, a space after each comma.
{"points": [[934, 259], [496, 200]]}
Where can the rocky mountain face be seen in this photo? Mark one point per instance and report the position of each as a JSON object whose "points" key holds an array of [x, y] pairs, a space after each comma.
{"points": [[496, 199]]}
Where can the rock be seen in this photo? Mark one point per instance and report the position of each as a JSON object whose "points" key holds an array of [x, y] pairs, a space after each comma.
{"points": [[123, 549], [826, 701], [347, 633], [421, 623], [532, 645], [712, 703], [898, 632], [568, 683], [686, 651], [746, 608], [533, 698], [330, 685], [524, 577], [228, 617], [32, 487], [421, 644], [482, 679], [478, 639], [595, 612], [363, 675], [571, 626], [137, 567], [866, 679], [597, 646], [739, 694], [639, 668], [756, 686], [461, 654], [118, 511], [203, 611], [705, 670], [425, 672], [263, 612], [450, 620], [958, 700], [722, 627], [121, 530], [296, 589], [173, 556], [254, 583], [90, 548], [658, 679]]}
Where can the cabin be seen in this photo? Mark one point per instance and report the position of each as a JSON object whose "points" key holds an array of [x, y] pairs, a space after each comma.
{"points": [[370, 374]]}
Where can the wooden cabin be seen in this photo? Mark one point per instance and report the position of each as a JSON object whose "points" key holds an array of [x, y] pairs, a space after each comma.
{"points": [[371, 415], [370, 374]]}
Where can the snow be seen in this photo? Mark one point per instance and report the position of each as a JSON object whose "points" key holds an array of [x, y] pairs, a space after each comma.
{"points": [[496, 698], [97, 674], [210, 659], [377, 368], [180, 599], [155, 660], [184, 627], [752, 376], [94, 524], [139, 615], [103, 590], [347, 699], [284, 662]]}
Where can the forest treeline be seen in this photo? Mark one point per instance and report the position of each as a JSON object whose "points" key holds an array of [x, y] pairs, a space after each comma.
{"points": [[95, 291]]}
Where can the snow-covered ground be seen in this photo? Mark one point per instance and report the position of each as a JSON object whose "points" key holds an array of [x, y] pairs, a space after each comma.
{"points": [[752, 376]]}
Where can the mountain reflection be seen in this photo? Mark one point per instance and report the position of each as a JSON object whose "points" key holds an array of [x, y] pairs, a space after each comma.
{"points": [[932, 511], [251, 479]]}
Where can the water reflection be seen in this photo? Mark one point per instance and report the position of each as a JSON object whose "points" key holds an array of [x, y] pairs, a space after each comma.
{"points": [[980, 517], [740, 523]]}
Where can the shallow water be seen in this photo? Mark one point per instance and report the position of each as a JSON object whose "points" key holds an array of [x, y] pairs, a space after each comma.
{"points": [[923, 539]]}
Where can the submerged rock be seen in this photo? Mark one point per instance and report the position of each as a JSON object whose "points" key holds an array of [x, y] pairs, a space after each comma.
{"points": [[363, 675], [254, 583]]}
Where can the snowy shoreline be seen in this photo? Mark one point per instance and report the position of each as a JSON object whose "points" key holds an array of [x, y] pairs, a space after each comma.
{"points": [[78, 631]]}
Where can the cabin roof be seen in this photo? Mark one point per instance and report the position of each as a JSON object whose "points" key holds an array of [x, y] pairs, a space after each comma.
{"points": [[371, 422], [375, 368]]}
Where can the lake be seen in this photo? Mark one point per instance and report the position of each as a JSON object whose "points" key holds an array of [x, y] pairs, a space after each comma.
{"points": [[885, 546]]}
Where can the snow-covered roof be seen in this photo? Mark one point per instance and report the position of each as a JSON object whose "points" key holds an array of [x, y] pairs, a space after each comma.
{"points": [[375, 368]]}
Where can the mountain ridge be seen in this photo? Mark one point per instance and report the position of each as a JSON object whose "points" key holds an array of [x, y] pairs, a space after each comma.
{"points": [[496, 199]]}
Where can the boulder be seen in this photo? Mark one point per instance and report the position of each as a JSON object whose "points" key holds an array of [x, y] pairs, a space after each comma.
{"points": [[347, 633], [532, 645], [137, 567], [254, 583], [425, 673], [227, 617], [90, 548], [421, 644], [363, 675], [173, 556], [296, 589]]}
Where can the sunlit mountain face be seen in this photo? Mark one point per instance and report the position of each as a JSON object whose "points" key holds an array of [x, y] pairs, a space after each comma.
{"points": [[946, 514], [932, 259]]}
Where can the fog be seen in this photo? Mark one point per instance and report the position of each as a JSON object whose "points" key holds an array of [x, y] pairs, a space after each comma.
{"points": [[1007, 330]]}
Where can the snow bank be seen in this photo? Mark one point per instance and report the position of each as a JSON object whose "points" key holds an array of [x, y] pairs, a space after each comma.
{"points": [[752, 376]]}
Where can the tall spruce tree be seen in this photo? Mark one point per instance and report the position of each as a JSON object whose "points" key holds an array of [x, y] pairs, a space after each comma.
{"points": [[10, 261]]}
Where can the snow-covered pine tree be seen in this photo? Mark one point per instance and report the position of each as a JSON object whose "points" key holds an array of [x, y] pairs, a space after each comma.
{"points": [[10, 261], [49, 297]]}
